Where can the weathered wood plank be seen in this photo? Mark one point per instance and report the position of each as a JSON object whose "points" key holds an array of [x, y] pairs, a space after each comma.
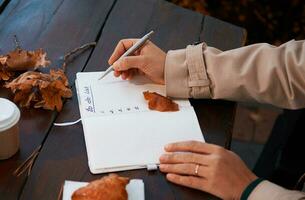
{"points": [[56, 26], [3, 4], [129, 19], [222, 35], [18, 17], [26, 19]]}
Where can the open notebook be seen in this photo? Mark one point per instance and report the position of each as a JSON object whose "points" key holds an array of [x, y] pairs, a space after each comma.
{"points": [[121, 133]]}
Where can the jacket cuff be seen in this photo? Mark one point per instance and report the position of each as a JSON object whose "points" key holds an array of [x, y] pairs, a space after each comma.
{"points": [[185, 73], [176, 74], [250, 188], [270, 191]]}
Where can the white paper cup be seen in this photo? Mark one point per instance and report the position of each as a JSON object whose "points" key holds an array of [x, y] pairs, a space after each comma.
{"points": [[9, 128]]}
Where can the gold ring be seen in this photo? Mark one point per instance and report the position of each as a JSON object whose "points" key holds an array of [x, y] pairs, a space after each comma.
{"points": [[196, 170]]}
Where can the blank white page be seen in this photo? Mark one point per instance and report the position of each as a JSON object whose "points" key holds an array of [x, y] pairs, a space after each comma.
{"points": [[136, 139]]}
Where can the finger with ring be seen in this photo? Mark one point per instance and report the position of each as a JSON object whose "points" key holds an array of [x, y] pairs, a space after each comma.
{"points": [[196, 169]]}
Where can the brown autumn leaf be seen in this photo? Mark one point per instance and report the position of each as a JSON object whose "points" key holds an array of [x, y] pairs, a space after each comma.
{"points": [[5, 75], [111, 187], [41, 90], [21, 60], [159, 102]]}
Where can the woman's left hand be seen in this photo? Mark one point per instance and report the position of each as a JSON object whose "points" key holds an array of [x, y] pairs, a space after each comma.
{"points": [[206, 167]]}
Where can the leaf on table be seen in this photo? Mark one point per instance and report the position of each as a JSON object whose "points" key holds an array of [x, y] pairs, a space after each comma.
{"points": [[21, 60], [159, 102], [41, 90], [6, 75]]}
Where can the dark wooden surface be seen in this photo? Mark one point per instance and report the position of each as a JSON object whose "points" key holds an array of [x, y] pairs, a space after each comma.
{"points": [[61, 25], [3, 3]]}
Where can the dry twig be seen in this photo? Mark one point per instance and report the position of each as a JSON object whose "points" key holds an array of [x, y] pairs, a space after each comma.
{"points": [[69, 56], [28, 163], [17, 43], [59, 197]]}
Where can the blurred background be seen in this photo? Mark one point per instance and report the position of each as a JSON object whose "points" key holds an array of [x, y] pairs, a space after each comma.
{"points": [[273, 22]]}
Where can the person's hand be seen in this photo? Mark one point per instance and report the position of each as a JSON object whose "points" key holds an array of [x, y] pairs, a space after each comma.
{"points": [[148, 60], [220, 172]]}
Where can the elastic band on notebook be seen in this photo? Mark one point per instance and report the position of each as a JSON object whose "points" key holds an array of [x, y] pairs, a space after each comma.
{"points": [[151, 167], [67, 123], [246, 193]]}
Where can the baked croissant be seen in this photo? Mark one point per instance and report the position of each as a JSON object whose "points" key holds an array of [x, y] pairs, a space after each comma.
{"points": [[111, 187]]}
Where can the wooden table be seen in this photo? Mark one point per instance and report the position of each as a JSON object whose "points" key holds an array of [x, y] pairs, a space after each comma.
{"points": [[61, 25]]}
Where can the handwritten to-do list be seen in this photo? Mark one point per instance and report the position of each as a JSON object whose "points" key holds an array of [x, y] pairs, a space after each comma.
{"points": [[111, 95]]}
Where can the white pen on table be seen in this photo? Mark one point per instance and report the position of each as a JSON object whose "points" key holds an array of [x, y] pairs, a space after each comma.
{"points": [[131, 50]]}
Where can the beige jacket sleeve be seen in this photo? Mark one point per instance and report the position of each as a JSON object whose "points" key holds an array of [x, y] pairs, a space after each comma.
{"points": [[270, 191], [260, 72]]}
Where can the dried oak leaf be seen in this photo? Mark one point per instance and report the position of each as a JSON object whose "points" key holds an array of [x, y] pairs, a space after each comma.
{"points": [[111, 187], [42, 90], [21, 60], [159, 102], [4, 74]]}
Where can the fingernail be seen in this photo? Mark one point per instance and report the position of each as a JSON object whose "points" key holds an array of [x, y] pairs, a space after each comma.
{"points": [[167, 147], [163, 157], [162, 167], [169, 176]]}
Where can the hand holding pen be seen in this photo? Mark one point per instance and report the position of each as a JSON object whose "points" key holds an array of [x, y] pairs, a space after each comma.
{"points": [[149, 60]]}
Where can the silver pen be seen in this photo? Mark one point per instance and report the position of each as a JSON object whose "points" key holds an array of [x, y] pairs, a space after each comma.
{"points": [[131, 50]]}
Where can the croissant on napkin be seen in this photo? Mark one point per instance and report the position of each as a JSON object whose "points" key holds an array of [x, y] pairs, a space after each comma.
{"points": [[111, 187]]}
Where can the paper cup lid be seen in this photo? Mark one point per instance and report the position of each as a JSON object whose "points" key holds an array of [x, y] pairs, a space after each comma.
{"points": [[9, 114]]}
